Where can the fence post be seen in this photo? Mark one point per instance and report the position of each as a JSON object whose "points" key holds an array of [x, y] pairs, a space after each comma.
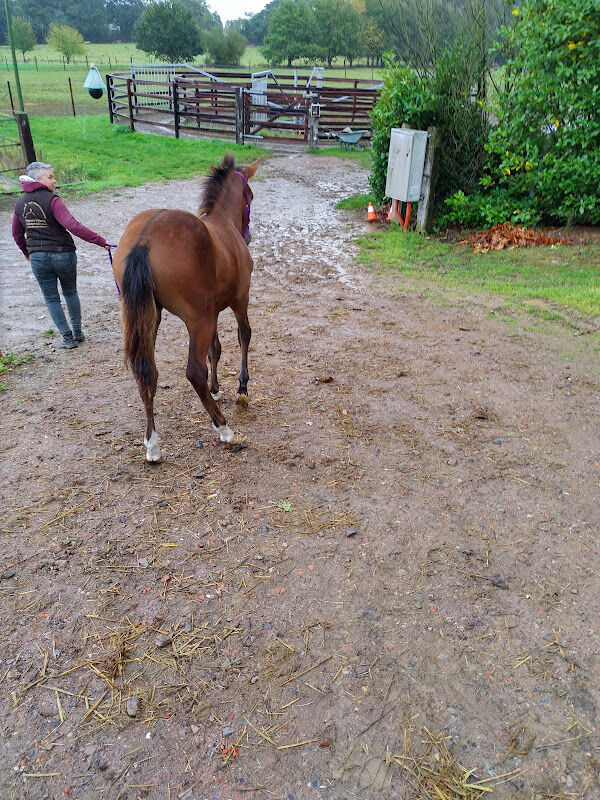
{"points": [[247, 102], [176, 109], [425, 210], [109, 93], [239, 115], [130, 104], [313, 128], [22, 121], [72, 101]]}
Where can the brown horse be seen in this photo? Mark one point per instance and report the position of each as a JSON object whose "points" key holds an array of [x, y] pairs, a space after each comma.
{"points": [[194, 266]]}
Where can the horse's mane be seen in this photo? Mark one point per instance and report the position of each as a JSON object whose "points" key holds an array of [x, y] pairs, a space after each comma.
{"points": [[213, 186]]}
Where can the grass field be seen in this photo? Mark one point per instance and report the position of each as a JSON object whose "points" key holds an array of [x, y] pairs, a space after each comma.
{"points": [[566, 278], [45, 84], [92, 153]]}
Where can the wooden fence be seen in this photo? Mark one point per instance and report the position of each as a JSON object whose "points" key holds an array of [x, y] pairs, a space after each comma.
{"points": [[232, 105]]}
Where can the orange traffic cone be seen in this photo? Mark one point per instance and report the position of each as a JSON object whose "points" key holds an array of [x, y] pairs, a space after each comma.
{"points": [[371, 215]]}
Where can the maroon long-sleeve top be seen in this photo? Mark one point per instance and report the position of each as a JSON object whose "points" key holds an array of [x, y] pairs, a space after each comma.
{"points": [[62, 215]]}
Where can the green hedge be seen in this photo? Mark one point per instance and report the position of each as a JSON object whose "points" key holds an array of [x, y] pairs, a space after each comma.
{"points": [[441, 99], [544, 152]]}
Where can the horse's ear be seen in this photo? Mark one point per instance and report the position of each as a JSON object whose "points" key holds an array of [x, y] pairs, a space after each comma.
{"points": [[250, 170]]}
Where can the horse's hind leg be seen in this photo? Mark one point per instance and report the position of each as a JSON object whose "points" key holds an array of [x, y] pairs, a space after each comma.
{"points": [[244, 334], [147, 388], [197, 374], [214, 354]]}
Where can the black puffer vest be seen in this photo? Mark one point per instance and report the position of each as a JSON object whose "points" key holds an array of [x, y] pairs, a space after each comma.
{"points": [[42, 232]]}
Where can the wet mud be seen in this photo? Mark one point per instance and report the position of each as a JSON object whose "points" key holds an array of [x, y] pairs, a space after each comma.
{"points": [[399, 557]]}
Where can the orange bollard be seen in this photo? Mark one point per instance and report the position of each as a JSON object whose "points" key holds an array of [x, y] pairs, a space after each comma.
{"points": [[371, 215], [395, 215]]}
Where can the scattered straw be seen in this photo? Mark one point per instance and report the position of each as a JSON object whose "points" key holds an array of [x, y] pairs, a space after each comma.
{"points": [[437, 774]]}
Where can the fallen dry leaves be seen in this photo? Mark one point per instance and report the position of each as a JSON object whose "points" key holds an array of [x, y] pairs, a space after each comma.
{"points": [[506, 236]]}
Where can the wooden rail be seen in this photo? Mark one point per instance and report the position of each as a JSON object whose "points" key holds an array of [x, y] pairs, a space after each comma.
{"points": [[224, 104]]}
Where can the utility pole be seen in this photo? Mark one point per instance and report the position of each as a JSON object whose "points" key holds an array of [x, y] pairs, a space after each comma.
{"points": [[21, 117]]}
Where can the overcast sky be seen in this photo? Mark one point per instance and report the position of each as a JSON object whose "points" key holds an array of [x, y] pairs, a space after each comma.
{"points": [[232, 9]]}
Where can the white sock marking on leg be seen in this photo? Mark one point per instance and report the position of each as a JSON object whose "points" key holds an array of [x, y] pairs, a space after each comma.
{"points": [[152, 448], [224, 431], [217, 395]]}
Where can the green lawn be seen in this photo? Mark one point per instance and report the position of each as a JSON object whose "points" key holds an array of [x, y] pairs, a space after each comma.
{"points": [[564, 277], [101, 156]]}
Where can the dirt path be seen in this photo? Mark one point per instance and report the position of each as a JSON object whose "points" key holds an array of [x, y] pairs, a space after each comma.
{"points": [[408, 543]]}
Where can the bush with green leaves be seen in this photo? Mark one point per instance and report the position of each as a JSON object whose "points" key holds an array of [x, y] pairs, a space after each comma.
{"points": [[405, 98], [441, 98], [545, 150]]}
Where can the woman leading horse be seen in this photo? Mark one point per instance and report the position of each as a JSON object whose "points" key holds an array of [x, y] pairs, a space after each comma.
{"points": [[194, 266]]}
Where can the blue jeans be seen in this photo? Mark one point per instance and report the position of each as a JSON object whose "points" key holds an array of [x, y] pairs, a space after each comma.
{"points": [[49, 269]]}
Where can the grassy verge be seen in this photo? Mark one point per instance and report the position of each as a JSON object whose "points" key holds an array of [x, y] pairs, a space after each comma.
{"points": [[362, 156], [355, 202], [565, 278], [103, 156]]}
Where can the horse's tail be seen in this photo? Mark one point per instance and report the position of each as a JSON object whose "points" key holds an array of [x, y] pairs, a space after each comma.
{"points": [[139, 315]]}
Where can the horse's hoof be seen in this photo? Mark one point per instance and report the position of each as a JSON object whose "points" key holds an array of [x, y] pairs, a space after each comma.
{"points": [[217, 395], [224, 431], [154, 461], [242, 400]]}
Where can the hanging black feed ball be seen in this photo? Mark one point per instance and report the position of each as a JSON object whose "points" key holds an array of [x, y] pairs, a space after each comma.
{"points": [[94, 83]]}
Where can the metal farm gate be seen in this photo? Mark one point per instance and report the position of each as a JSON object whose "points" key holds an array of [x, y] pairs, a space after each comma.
{"points": [[222, 104], [12, 158]]}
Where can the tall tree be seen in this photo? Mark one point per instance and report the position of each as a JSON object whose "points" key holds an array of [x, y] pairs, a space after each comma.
{"points": [[124, 14], [88, 16], [168, 31], [226, 48], [337, 28], [204, 17], [41, 14], [23, 35], [254, 27], [372, 40], [66, 40], [291, 34]]}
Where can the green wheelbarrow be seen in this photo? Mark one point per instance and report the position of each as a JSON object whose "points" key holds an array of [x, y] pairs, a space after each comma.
{"points": [[351, 139]]}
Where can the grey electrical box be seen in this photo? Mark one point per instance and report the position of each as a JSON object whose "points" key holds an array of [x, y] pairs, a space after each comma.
{"points": [[406, 161]]}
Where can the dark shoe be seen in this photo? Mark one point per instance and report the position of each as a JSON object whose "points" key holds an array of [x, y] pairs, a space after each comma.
{"points": [[79, 337], [68, 344]]}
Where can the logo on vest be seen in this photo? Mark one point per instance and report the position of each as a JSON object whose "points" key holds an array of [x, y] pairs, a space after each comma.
{"points": [[34, 215]]}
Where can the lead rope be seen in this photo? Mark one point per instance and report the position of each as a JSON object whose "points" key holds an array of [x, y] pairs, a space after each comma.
{"points": [[111, 247]]}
